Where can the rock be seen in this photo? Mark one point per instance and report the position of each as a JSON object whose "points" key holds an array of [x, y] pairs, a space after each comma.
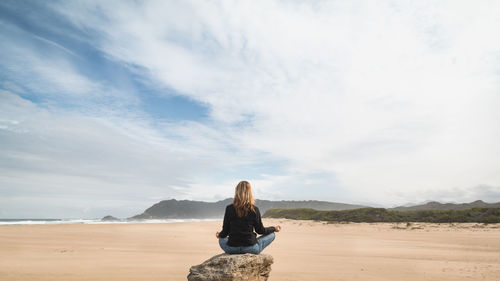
{"points": [[224, 267], [109, 218]]}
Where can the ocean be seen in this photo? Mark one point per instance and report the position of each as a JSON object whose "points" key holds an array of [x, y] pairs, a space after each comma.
{"points": [[93, 221]]}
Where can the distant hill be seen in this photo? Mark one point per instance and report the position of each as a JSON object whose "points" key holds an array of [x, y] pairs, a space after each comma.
{"points": [[480, 215], [447, 206], [187, 209]]}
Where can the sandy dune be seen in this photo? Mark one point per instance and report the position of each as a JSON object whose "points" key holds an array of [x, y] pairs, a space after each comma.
{"points": [[304, 250]]}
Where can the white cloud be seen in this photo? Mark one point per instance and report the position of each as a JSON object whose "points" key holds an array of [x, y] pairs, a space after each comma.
{"points": [[68, 157], [28, 65], [385, 96], [361, 102]]}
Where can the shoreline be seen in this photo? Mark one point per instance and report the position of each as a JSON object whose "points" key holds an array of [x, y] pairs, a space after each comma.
{"points": [[92, 221], [6, 222]]}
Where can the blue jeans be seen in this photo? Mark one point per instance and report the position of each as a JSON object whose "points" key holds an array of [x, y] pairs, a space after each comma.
{"points": [[262, 242]]}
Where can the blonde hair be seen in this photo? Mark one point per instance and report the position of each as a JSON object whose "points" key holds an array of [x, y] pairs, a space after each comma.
{"points": [[243, 199]]}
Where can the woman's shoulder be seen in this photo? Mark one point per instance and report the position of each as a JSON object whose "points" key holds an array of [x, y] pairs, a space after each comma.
{"points": [[254, 212]]}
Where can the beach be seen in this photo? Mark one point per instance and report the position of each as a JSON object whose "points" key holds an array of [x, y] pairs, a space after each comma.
{"points": [[303, 250]]}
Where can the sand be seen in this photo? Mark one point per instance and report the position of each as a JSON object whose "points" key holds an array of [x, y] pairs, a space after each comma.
{"points": [[304, 250]]}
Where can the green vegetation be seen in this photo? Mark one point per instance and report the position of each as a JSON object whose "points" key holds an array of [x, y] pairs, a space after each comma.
{"points": [[480, 215]]}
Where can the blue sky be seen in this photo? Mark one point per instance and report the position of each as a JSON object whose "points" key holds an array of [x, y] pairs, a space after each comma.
{"points": [[107, 107]]}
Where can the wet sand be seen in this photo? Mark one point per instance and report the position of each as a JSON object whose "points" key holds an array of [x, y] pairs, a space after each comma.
{"points": [[304, 250]]}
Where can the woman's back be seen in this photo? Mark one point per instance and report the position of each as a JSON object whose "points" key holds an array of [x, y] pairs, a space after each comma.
{"points": [[241, 229], [240, 220]]}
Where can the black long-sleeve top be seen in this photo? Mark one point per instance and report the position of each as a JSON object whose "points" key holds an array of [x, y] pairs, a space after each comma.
{"points": [[240, 230]]}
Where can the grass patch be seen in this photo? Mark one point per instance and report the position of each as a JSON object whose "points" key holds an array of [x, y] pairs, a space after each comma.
{"points": [[478, 215]]}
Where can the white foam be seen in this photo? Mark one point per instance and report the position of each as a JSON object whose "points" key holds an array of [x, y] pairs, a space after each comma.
{"points": [[96, 221]]}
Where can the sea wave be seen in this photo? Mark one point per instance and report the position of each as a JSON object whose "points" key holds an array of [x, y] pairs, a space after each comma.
{"points": [[93, 221]]}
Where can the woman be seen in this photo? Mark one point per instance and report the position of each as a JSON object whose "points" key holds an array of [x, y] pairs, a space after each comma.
{"points": [[240, 220]]}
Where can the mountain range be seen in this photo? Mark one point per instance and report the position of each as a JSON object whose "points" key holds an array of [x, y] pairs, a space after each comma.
{"points": [[184, 209], [188, 209], [433, 205]]}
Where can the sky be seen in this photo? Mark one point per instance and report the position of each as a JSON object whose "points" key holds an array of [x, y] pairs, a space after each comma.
{"points": [[107, 107]]}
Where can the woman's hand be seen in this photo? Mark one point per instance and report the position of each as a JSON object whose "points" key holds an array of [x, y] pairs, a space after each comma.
{"points": [[277, 228], [217, 234]]}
